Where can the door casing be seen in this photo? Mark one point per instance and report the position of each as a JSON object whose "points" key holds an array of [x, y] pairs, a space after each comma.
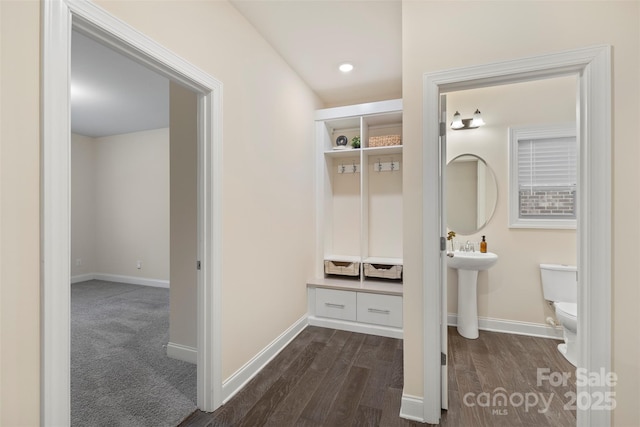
{"points": [[58, 19], [592, 65]]}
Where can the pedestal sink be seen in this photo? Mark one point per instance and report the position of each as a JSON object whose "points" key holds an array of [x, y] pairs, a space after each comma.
{"points": [[468, 264]]}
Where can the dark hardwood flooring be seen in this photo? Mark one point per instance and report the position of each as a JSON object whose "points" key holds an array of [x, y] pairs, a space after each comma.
{"points": [[326, 377]]}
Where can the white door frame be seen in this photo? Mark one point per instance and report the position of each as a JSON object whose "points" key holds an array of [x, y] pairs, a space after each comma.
{"points": [[58, 19], [592, 65]]}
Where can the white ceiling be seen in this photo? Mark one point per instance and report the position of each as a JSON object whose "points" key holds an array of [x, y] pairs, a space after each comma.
{"points": [[112, 94], [315, 36]]}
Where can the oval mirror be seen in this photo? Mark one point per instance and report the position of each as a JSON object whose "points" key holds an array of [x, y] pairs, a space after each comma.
{"points": [[472, 194]]}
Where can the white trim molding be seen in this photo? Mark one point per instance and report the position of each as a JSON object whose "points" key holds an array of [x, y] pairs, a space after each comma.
{"points": [[182, 352], [592, 66], [132, 280], [512, 327], [82, 278], [361, 328], [411, 408], [59, 17], [242, 376]]}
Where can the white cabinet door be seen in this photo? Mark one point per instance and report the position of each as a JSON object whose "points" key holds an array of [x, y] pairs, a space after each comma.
{"points": [[336, 304], [380, 309]]}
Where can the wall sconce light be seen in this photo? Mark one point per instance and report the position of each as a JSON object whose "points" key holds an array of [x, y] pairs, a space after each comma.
{"points": [[459, 123]]}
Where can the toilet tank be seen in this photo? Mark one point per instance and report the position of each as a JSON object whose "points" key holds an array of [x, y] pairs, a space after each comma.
{"points": [[559, 282]]}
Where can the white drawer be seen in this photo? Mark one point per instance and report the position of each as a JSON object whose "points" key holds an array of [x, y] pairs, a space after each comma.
{"points": [[336, 304], [380, 309]]}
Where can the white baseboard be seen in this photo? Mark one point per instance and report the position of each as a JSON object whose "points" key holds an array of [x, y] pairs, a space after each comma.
{"points": [[182, 352], [242, 376], [412, 408], [144, 281], [81, 278], [513, 327], [361, 328]]}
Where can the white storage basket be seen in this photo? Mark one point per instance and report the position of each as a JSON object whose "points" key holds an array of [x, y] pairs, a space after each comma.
{"points": [[342, 268], [383, 271]]}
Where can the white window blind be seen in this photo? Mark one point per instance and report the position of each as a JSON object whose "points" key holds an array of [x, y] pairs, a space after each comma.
{"points": [[549, 162]]}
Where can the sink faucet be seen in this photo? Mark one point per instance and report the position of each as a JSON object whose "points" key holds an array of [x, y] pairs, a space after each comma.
{"points": [[469, 247]]}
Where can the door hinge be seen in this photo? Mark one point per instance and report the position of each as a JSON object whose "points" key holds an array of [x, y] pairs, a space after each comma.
{"points": [[198, 265], [443, 243], [443, 359], [443, 128]]}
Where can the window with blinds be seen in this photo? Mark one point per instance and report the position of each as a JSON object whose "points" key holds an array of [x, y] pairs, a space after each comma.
{"points": [[543, 181], [550, 162]]}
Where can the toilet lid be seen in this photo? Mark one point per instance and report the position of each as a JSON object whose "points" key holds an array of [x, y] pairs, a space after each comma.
{"points": [[569, 308]]}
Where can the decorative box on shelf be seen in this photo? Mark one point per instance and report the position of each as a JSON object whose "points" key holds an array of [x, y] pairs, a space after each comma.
{"points": [[384, 141], [383, 271], [342, 268]]}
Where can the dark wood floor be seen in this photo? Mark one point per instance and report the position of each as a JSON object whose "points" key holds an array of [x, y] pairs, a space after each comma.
{"points": [[504, 363], [332, 378]]}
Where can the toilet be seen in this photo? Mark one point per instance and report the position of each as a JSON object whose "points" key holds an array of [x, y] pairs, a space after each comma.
{"points": [[560, 286]]}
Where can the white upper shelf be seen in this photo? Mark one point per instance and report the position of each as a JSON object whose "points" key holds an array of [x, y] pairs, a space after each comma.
{"points": [[371, 151]]}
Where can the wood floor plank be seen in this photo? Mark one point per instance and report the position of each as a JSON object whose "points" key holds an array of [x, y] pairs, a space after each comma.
{"points": [[367, 356], [344, 407], [267, 404], [367, 417], [391, 410], [336, 378], [292, 406], [260, 384], [387, 350], [397, 370], [319, 404], [197, 419], [373, 394]]}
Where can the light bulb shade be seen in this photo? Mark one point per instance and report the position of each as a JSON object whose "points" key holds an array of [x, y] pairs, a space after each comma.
{"points": [[457, 121], [477, 119]]}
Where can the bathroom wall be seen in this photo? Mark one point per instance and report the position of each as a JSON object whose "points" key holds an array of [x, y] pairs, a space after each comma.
{"points": [[511, 290], [439, 35]]}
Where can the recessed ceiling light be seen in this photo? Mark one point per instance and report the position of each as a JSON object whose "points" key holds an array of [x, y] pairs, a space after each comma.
{"points": [[346, 67]]}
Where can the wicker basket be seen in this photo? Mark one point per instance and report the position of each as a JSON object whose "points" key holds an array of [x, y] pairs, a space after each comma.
{"points": [[384, 141], [342, 268], [383, 271]]}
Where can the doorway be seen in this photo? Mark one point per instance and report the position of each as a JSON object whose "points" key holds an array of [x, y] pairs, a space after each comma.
{"points": [[133, 233], [59, 18], [592, 65], [482, 184]]}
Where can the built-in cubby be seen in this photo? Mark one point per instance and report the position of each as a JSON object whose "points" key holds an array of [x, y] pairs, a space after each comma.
{"points": [[359, 215]]}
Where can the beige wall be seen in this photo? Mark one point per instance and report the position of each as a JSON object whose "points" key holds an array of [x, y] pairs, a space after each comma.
{"points": [[83, 205], [268, 212], [511, 290], [184, 216], [19, 213], [120, 204], [505, 30], [268, 181], [132, 204]]}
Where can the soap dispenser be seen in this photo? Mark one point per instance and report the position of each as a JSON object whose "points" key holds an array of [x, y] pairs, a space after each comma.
{"points": [[483, 246]]}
